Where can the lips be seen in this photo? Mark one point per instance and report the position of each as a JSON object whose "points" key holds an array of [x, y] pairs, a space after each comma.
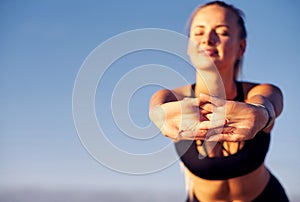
{"points": [[209, 52]]}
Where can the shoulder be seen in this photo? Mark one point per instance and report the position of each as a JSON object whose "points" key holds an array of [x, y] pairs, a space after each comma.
{"points": [[252, 88]]}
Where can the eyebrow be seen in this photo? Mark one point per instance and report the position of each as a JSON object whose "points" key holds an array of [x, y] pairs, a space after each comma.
{"points": [[218, 26]]}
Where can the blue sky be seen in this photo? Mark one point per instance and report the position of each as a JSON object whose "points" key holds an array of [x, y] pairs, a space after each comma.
{"points": [[43, 45]]}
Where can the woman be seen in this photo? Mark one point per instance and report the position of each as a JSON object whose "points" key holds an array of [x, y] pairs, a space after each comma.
{"points": [[221, 127]]}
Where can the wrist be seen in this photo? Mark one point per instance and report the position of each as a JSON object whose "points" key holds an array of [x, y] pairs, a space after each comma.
{"points": [[267, 105], [270, 116]]}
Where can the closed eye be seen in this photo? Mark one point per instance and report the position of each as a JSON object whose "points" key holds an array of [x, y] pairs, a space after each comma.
{"points": [[199, 33], [223, 33]]}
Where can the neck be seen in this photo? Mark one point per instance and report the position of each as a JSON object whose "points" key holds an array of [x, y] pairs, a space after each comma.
{"points": [[220, 84]]}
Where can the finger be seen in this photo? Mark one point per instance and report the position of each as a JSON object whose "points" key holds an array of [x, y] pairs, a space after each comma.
{"points": [[206, 125], [217, 116], [226, 134], [225, 137], [207, 107], [212, 99], [204, 112], [171, 132], [193, 134]]}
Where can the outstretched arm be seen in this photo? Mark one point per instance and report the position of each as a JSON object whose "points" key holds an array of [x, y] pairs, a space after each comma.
{"points": [[271, 98]]}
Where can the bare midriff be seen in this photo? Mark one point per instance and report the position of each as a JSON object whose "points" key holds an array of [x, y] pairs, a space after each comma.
{"points": [[240, 189]]}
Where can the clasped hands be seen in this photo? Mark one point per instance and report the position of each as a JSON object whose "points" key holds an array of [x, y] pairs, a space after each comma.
{"points": [[208, 118]]}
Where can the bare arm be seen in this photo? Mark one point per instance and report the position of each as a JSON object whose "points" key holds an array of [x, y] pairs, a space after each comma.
{"points": [[163, 96], [271, 98], [264, 102]]}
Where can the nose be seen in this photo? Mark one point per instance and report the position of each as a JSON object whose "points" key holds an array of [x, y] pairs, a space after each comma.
{"points": [[209, 38]]}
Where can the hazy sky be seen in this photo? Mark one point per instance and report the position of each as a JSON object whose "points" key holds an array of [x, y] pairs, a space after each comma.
{"points": [[43, 46]]}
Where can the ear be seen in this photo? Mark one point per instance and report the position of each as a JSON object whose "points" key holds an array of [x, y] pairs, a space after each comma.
{"points": [[242, 47]]}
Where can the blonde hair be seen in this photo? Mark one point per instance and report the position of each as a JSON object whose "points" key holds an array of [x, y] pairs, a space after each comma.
{"points": [[189, 184]]}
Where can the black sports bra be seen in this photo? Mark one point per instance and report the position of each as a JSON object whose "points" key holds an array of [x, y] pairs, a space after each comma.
{"points": [[246, 160]]}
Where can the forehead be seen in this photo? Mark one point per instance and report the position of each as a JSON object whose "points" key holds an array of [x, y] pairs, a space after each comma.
{"points": [[214, 15]]}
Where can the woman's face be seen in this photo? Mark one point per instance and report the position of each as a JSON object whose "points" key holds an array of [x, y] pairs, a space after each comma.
{"points": [[215, 31]]}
